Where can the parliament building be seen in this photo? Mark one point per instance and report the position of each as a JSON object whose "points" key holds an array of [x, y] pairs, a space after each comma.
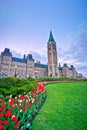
{"points": [[26, 66]]}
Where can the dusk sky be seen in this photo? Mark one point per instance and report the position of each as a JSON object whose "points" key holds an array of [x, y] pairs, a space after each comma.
{"points": [[25, 27]]}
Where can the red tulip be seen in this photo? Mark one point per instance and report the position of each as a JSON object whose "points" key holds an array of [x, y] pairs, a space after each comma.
{"points": [[5, 122], [8, 113], [1, 115], [14, 119], [0, 108], [15, 106], [0, 121], [1, 127], [16, 126]]}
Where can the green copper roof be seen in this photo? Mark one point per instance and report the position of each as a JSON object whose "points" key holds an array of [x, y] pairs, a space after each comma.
{"points": [[51, 37]]}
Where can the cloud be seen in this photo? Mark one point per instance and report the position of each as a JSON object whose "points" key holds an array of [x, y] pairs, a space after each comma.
{"points": [[16, 54], [74, 50], [39, 57], [36, 56]]}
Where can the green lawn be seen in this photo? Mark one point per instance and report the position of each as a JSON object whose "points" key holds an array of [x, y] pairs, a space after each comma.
{"points": [[65, 107]]}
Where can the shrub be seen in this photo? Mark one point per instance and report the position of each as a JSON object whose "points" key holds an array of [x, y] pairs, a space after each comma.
{"points": [[14, 86], [52, 79]]}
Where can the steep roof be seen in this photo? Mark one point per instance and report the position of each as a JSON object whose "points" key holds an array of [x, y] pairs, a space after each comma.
{"points": [[51, 38], [60, 68], [39, 65], [18, 60], [6, 52], [30, 57]]}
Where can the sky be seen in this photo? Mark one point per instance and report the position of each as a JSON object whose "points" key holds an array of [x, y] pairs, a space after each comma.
{"points": [[25, 27]]}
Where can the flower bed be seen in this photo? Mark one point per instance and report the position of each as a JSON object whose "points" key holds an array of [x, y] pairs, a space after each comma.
{"points": [[19, 112]]}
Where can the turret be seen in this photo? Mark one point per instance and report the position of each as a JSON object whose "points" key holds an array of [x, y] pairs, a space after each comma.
{"points": [[30, 65], [6, 61]]}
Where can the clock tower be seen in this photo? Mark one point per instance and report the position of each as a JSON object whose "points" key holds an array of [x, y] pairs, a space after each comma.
{"points": [[52, 57]]}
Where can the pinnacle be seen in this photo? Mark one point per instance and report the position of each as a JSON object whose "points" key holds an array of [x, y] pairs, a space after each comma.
{"points": [[51, 38]]}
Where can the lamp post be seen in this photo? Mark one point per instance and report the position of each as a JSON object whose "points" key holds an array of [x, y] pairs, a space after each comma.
{"points": [[15, 70]]}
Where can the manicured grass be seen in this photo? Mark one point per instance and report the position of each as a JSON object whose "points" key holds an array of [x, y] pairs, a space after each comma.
{"points": [[65, 107]]}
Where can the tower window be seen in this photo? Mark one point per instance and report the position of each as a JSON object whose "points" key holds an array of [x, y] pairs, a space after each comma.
{"points": [[49, 48]]}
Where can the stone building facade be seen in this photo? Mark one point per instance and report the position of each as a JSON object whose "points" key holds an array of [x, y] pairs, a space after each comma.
{"points": [[66, 71], [20, 67], [26, 66]]}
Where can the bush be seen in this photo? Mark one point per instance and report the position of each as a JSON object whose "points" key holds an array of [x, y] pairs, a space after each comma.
{"points": [[31, 79], [15, 86], [52, 79], [60, 79]]}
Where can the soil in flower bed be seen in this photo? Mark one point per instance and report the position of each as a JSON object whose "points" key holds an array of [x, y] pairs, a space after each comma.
{"points": [[36, 113]]}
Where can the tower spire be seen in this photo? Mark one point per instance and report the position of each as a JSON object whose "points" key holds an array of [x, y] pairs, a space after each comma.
{"points": [[51, 38], [52, 56]]}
